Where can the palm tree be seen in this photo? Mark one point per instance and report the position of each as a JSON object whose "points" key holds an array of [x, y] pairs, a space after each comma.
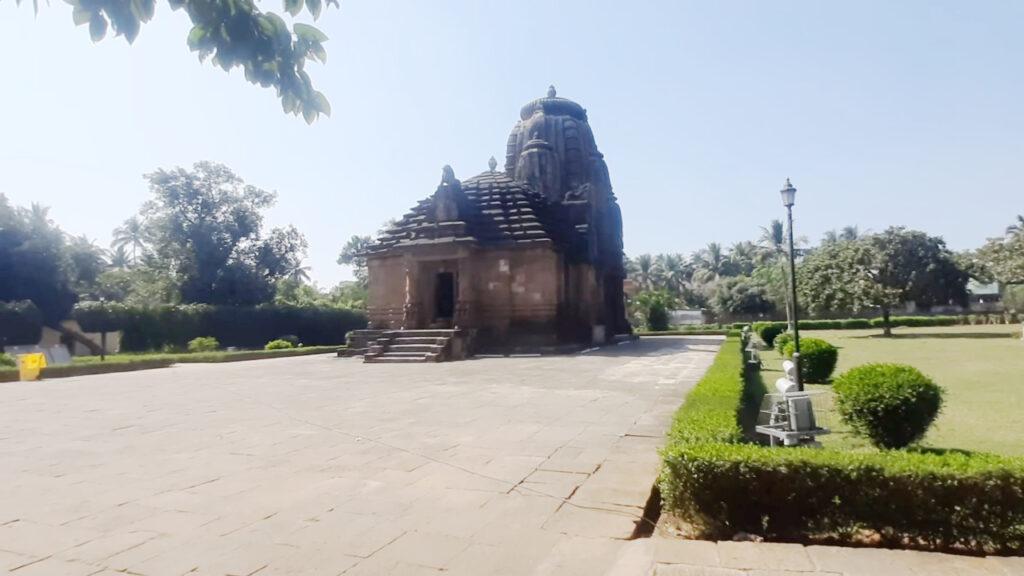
{"points": [[676, 271], [298, 273], [849, 233], [773, 241], [830, 237], [1017, 227], [131, 234], [119, 258], [645, 271], [711, 262], [744, 256]]}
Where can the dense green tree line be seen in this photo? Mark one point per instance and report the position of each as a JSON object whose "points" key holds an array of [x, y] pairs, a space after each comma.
{"points": [[848, 272], [199, 239]]}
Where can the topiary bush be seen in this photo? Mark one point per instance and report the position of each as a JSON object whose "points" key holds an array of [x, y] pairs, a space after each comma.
{"points": [[781, 340], [891, 404], [769, 331], [203, 344], [817, 359], [279, 344], [657, 317]]}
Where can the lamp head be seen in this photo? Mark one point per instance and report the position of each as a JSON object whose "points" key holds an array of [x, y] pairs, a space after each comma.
{"points": [[788, 194]]}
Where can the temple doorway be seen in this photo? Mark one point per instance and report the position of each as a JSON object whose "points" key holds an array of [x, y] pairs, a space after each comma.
{"points": [[444, 296]]}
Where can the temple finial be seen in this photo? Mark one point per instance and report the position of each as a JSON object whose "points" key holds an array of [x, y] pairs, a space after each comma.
{"points": [[492, 164], [551, 91], [447, 175]]}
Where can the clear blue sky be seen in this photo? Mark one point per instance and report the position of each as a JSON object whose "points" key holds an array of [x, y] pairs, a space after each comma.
{"points": [[882, 113]]}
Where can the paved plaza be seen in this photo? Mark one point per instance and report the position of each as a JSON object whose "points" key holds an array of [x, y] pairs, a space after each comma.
{"points": [[320, 465]]}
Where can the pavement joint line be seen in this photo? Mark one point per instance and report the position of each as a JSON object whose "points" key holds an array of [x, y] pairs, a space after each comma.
{"points": [[360, 437]]}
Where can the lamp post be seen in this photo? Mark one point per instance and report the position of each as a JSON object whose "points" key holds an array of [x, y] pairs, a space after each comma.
{"points": [[788, 199]]}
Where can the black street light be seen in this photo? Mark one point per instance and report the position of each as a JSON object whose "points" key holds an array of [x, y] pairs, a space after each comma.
{"points": [[788, 199]]}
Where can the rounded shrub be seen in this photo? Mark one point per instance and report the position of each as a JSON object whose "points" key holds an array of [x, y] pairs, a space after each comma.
{"points": [[279, 344], [657, 317], [817, 359], [203, 344], [891, 404], [7, 361], [769, 331], [781, 340]]}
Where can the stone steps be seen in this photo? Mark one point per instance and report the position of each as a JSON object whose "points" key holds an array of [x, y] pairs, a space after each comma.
{"points": [[408, 346]]}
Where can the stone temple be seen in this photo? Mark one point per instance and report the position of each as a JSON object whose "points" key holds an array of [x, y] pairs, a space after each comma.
{"points": [[526, 258]]}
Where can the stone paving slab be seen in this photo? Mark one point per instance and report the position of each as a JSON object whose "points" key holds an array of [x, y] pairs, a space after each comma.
{"points": [[319, 465], [672, 557]]}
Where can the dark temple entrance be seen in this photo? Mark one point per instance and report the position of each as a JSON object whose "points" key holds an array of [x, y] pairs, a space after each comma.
{"points": [[444, 296]]}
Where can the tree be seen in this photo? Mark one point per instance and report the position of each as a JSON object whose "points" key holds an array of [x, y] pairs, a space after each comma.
{"points": [[205, 227], [352, 255], [1017, 227], [743, 258], [34, 264], [131, 235], [882, 271], [676, 272], [1003, 258], [773, 273], [87, 261], [741, 297], [711, 263], [233, 34], [646, 271], [119, 259]]}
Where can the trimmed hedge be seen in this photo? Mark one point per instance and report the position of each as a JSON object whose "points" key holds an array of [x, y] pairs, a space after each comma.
{"points": [[862, 323], [173, 326], [781, 341], [969, 501], [720, 485], [710, 411]]}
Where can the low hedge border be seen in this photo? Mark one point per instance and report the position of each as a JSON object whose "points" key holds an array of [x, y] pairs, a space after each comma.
{"points": [[698, 332], [69, 370], [895, 322], [721, 485], [147, 362]]}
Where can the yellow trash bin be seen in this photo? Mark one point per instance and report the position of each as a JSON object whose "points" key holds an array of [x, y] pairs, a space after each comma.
{"points": [[31, 365]]}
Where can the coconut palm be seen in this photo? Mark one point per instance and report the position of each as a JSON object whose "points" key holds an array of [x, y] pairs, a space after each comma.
{"points": [[743, 258], [711, 262], [849, 233], [298, 273], [119, 258], [645, 270], [773, 240], [131, 234], [1017, 227], [676, 271]]}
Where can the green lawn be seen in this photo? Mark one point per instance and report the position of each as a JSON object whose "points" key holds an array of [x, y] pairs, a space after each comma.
{"points": [[980, 367]]}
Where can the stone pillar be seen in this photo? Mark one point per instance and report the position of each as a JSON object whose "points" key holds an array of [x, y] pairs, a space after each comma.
{"points": [[465, 308], [411, 308]]}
